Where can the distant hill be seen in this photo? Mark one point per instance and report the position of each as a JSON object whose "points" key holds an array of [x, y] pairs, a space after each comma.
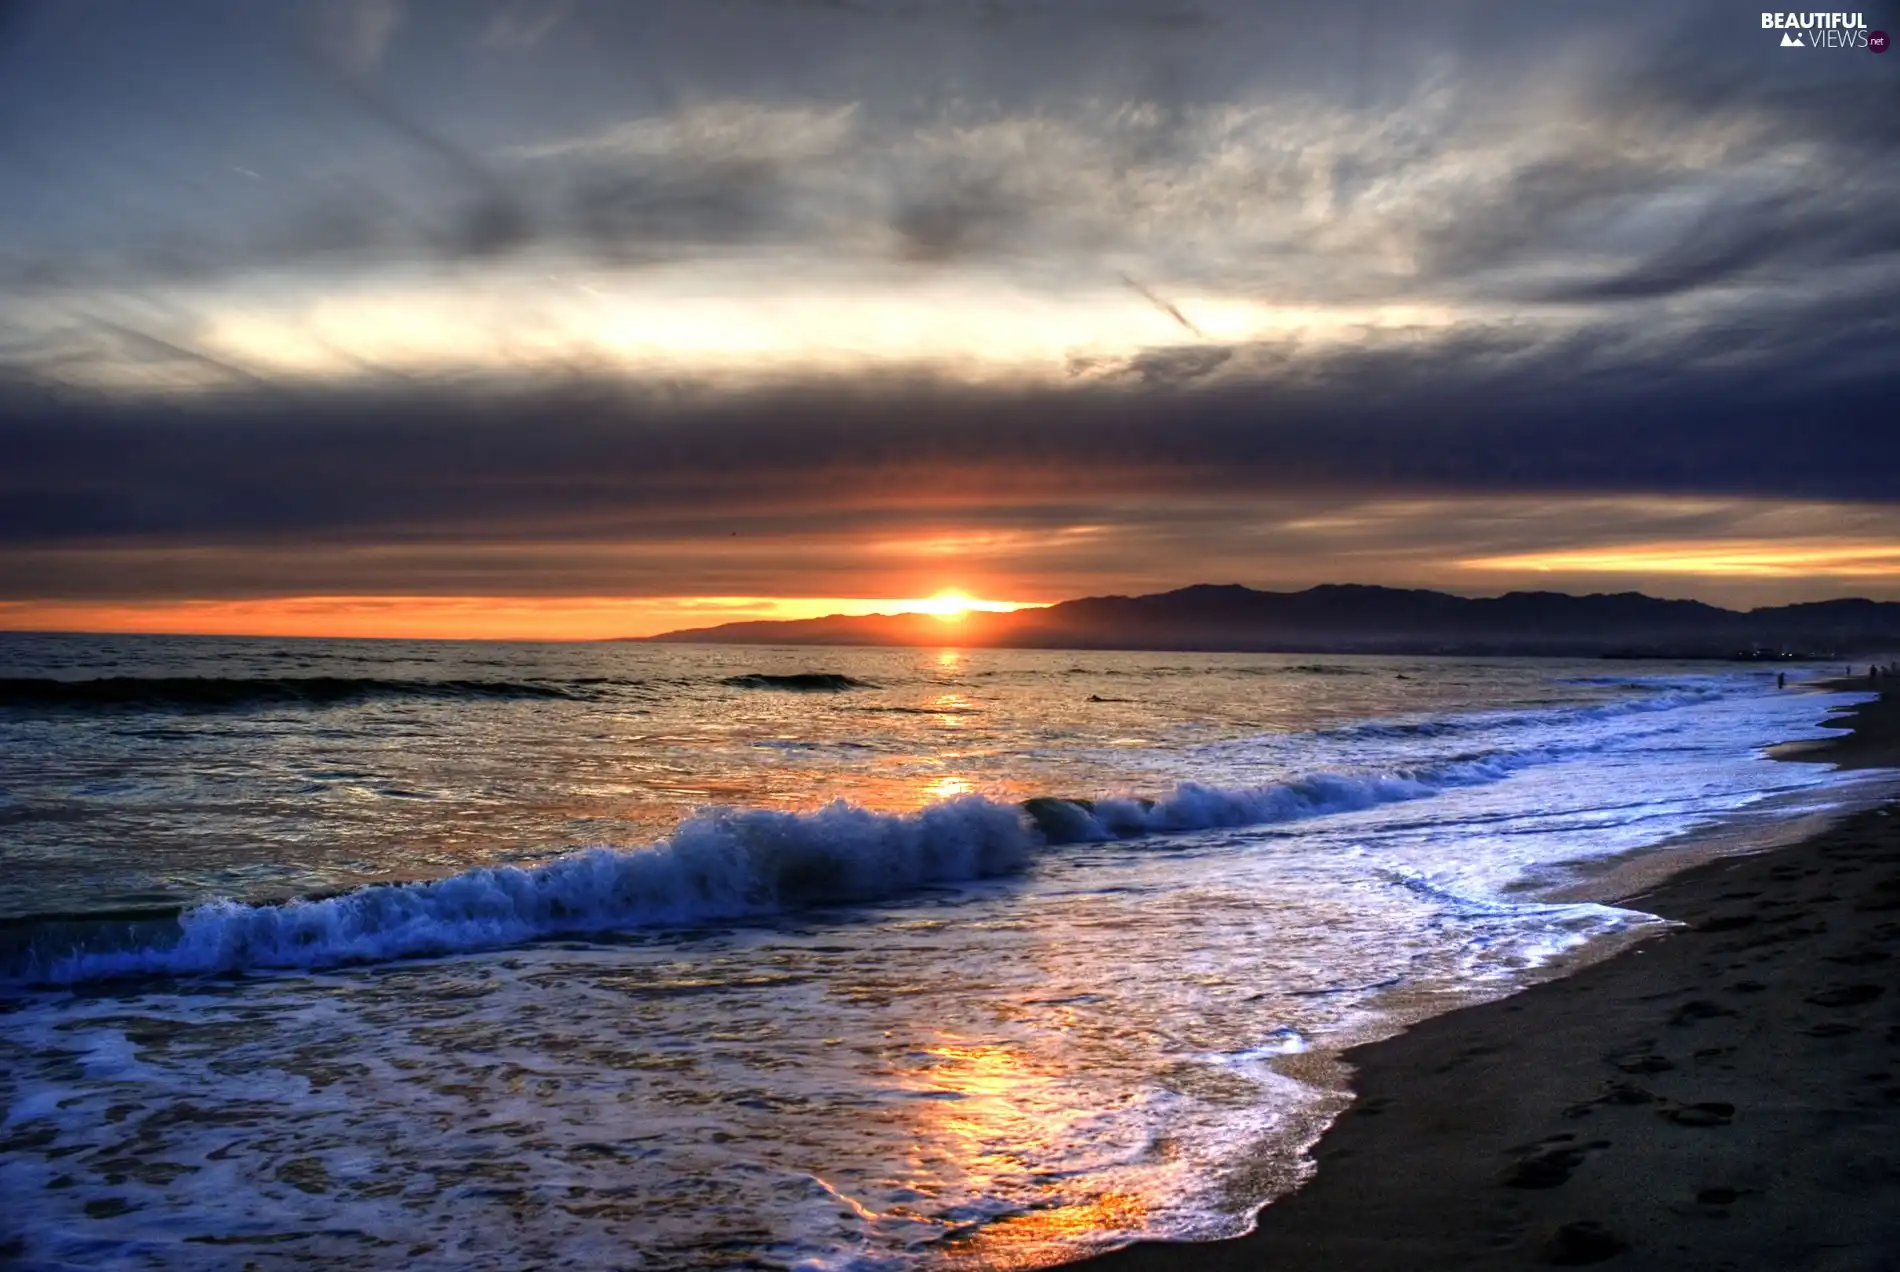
{"points": [[1345, 618]]}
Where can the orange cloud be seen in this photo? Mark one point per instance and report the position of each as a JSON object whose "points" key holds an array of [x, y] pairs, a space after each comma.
{"points": [[1761, 558]]}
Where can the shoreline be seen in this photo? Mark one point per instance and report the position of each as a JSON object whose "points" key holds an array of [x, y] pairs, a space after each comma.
{"points": [[1723, 1094]]}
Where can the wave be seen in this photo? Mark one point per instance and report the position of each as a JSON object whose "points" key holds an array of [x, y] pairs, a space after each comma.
{"points": [[1488, 721], [1194, 807], [723, 864], [798, 682], [216, 693]]}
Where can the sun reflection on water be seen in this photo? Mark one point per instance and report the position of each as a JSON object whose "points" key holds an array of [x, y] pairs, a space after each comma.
{"points": [[990, 1108], [947, 788], [949, 709], [1025, 1240]]}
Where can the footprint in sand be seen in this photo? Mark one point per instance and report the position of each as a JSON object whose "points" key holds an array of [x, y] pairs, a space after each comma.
{"points": [[1547, 1165], [1699, 1009], [1846, 995], [1708, 1113], [1625, 1093], [1581, 1242], [1858, 958], [1642, 1062]]}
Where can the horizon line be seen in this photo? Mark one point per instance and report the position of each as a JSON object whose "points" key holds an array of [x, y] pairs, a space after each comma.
{"points": [[951, 621]]}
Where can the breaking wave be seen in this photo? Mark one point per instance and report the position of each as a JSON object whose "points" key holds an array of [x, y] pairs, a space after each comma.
{"points": [[722, 864]]}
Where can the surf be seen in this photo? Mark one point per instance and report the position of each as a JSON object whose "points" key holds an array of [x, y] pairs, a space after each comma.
{"points": [[721, 864]]}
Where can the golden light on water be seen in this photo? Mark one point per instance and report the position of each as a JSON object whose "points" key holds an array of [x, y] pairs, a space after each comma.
{"points": [[990, 1095], [1024, 1241], [947, 788]]}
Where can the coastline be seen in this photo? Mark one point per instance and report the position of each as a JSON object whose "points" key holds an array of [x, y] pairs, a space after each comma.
{"points": [[1723, 1095]]}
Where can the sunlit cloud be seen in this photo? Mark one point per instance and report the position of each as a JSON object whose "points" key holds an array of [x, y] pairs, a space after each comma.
{"points": [[725, 326], [730, 130], [802, 232], [897, 544], [1749, 558]]}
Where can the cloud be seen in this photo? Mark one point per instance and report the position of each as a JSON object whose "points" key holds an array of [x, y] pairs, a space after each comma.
{"points": [[1569, 158], [1176, 366], [721, 131], [1473, 412], [723, 173], [828, 269], [1043, 544], [524, 26], [358, 32]]}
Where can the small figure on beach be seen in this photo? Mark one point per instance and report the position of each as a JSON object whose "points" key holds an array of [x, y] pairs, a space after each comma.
{"points": [[1781, 680]]}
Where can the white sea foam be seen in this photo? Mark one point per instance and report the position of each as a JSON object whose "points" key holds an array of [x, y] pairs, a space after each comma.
{"points": [[723, 864]]}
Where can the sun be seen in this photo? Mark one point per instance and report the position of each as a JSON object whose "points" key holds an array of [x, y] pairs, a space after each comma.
{"points": [[953, 605], [949, 605]]}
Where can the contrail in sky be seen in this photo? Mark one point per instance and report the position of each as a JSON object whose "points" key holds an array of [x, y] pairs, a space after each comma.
{"points": [[1164, 306]]}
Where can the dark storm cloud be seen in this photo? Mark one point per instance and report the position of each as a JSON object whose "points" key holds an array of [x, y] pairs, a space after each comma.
{"points": [[1177, 366], [1785, 232], [1477, 413]]}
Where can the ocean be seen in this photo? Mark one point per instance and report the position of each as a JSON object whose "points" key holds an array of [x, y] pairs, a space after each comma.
{"points": [[478, 955]]}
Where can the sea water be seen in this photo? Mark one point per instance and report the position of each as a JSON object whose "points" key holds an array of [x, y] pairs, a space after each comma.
{"points": [[473, 955]]}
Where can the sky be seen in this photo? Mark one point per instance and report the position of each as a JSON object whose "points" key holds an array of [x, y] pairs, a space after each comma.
{"points": [[553, 318]]}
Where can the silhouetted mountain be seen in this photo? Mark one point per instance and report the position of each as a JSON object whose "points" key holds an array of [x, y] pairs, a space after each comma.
{"points": [[1350, 617]]}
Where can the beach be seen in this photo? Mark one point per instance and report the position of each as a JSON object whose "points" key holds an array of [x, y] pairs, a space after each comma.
{"points": [[1725, 1095]]}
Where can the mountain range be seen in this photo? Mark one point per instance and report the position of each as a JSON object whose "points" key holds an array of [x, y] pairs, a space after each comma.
{"points": [[1345, 618]]}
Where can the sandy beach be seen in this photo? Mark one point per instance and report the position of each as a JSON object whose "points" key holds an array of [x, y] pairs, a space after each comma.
{"points": [[1723, 1096]]}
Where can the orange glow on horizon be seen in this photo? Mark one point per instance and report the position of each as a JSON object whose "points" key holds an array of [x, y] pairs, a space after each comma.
{"points": [[953, 606], [463, 617], [1761, 558]]}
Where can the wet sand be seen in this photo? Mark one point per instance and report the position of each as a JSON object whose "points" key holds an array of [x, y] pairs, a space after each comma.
{"points": [[1725, 1095]]}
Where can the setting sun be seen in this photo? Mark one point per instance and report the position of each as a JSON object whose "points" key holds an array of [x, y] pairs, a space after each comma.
{"points": [[950, 605], [953, 606]]}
